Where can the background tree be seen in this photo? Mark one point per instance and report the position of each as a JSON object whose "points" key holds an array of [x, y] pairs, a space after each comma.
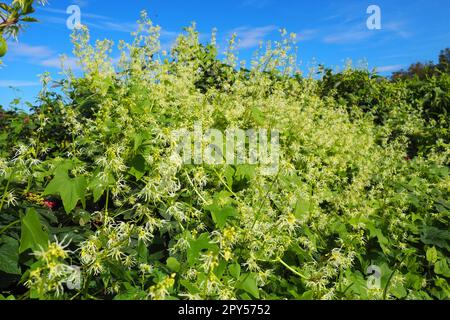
{"points": [[425, 70], [444, 60]]}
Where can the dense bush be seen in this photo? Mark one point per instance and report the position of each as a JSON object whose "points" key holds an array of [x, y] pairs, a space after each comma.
{"points": [[87, 179]]}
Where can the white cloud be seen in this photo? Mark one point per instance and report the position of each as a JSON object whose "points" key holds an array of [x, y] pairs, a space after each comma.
{"points": [[89, 19], [168, 34], [347, 25], [391, 68], [54, 20], [348, 33], [251, 37], [307, 34], [113, 26], [353, 34], [57, 62], [19, 49], [18, 83], [83, 14], [397, 28], [40, 55]]}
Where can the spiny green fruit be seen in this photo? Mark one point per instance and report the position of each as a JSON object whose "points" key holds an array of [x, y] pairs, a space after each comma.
{"points": [[3, 47]]}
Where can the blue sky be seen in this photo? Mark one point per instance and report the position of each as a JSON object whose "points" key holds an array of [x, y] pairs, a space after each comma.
{"points": [[329, 32]]}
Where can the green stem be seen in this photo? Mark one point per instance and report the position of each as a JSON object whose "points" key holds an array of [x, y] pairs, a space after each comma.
{"points": [[73, 145], [397, 266], [78, 293], [257, 216], [346, 289], [193, 186], [9, 226], [4, 193], [387, 284], [107, 200], [225, 184], [291, 269]]}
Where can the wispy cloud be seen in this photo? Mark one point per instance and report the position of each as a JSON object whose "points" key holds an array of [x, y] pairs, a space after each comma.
{"points": [[347, 24], [58, 62], [92, 20], [307, 34], [168, 34], [251, 37], [354, 34], [23, 50], [391, 68], [127, 27], [343, 14], [346, 33], [81, 3], [398, 28], [54, 20], [256, 3], [18, 83], [83, 14], [39, 55]]}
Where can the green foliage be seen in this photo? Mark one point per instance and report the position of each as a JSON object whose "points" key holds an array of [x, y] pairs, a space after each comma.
{"points": [[3, 47], [9, 251], [12, 18], [16, 12], [71, 190], [248, 283], [363, 180], [173, 264], [32, 234]]}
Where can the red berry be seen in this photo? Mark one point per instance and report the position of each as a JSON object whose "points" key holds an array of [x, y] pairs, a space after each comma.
{"points": [[50, 204]]}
